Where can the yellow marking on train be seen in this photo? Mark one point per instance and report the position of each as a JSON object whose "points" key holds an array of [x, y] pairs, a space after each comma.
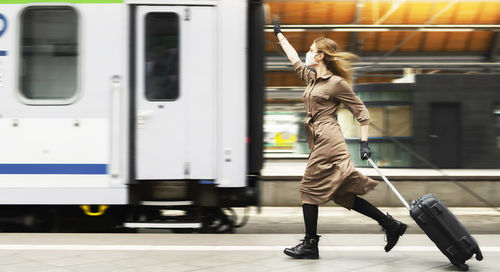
{"points": [[100, 210]]}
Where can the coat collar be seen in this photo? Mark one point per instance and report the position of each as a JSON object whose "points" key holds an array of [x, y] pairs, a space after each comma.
{"points": [[326, 75]]}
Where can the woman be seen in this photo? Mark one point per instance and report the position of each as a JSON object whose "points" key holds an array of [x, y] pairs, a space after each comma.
{"points": [[330, 173]]}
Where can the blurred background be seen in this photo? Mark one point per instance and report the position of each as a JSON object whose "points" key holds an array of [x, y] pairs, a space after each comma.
{"points": [[94, 137], [428, 73]]}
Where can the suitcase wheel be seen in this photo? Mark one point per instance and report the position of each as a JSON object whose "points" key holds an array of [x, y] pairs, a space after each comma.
{"points": [[462, 266]]}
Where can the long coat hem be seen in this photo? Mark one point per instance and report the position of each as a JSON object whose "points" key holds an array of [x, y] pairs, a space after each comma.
{"points": [[345, 200]]}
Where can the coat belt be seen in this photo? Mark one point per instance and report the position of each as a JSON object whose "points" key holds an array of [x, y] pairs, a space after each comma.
{"points": [[309, 125]]}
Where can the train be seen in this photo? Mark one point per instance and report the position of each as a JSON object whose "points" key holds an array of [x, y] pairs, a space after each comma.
{"points": [[130, 114]]}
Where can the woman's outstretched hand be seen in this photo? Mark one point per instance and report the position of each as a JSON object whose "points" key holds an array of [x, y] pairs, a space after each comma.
{"points": [[277, 28], [285, 45], [365, 151]]}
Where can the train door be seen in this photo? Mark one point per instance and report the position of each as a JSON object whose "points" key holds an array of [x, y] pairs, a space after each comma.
{"points": [[175, 92]]}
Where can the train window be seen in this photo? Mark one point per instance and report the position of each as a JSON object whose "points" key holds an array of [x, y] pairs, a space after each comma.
{"points": [[49, 55], [162, 56]]}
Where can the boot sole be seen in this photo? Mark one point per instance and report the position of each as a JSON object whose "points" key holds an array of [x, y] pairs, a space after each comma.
{"points": [[401, 231], [301, 256]]}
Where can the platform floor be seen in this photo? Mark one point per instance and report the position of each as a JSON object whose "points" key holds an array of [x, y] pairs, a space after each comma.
{"points": [[349, 242], [337, 220], [226, 252]]}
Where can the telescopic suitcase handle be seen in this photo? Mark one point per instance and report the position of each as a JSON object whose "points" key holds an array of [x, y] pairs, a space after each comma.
{"points": [[389, 184]]}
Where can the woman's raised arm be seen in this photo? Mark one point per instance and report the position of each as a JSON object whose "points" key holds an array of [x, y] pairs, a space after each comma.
{"points": [[287, 47]]}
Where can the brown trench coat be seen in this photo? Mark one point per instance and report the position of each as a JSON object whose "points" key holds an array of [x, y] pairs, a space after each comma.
{"points": [[330, 173]]}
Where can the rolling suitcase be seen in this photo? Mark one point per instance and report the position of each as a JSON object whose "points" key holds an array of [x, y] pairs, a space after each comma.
{"points": [[441, 226]]}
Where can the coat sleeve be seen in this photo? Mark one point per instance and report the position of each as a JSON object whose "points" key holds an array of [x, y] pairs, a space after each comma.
{"points": [[346, 96], [303, 72]]}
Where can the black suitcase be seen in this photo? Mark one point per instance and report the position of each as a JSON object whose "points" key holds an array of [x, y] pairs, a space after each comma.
{"points": [[441, 226]]}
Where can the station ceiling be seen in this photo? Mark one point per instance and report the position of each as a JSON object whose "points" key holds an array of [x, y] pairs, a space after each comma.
{"points": [[437, 34]]}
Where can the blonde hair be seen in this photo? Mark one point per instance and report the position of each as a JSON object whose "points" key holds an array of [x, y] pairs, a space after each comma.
{"points": [[339, 63]]}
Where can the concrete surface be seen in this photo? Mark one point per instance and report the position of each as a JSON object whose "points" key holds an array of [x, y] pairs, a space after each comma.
{"points": [[227, 252], [338, 220]]}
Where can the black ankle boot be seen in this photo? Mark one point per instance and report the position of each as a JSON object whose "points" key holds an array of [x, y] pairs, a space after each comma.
{"points": [[393, 229], [308, 249]]}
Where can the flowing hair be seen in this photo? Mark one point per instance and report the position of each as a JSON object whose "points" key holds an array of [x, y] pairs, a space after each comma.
{"points": [[339, 63]]}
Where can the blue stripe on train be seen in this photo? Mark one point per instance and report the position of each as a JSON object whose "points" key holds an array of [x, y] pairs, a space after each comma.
{"points": [[68, 169]]}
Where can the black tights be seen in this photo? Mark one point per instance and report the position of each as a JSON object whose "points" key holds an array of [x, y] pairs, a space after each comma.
{"points": [[366, 208], [310, 219], [362, 206]]}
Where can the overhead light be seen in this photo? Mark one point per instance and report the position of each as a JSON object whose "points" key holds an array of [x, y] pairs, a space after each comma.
{"points": [[446, 29], [401, 27], [389, 25], [360, 29], [287, 30], [294, 30]]}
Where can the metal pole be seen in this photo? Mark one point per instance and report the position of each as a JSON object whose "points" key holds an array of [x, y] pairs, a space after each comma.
{"points": [[389, 184]]}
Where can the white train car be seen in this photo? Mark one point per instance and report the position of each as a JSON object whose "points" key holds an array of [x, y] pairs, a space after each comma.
{"points": [[115, 111]]}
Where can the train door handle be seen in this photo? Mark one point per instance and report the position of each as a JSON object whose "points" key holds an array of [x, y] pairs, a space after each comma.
{"points": [[144, 114], [433, 136], [141, 118]]}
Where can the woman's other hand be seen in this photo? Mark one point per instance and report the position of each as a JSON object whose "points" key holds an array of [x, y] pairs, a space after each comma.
{"points": [[277, 28], [365, 151]]}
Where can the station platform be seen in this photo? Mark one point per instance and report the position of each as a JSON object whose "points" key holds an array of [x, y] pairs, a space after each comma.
{"points": [[276, 168], [226, 252], [455, 187], [338, 220], [349, 242]]}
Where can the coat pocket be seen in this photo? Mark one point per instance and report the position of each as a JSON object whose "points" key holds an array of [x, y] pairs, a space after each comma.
{"points": [[321, 96]]}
